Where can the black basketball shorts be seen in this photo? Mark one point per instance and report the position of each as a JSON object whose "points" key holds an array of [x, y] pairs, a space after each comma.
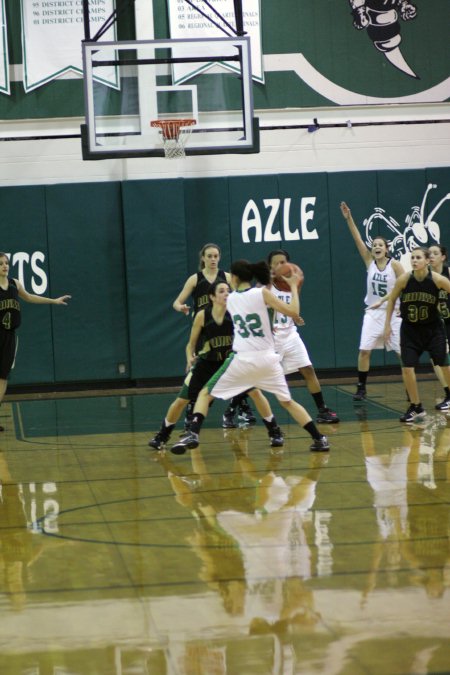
{"points": [[415, 339], [8, 347]]}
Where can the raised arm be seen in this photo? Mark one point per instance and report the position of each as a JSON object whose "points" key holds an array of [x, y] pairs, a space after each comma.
{"points": [[187, 290], [40, 299], [360, 245]]}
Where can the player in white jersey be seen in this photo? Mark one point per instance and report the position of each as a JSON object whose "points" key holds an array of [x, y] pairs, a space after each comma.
{"points": [[290, 346], [254, 361], [382, 273]]}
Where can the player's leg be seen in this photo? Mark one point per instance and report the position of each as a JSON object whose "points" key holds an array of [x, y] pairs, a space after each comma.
{"points": [[438, 348], [263, 407], [324, 414], [273, 380], [238, 405], [445, 403], [371, 333], [411, 345], [191, 439], [230, 380], [8, 349], [3, 386], [295, 358], [300, 415], [192, 385], [172, 416]]}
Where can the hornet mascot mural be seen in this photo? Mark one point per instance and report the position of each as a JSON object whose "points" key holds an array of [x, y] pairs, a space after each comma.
{"points": [[381, 20], [419, 229]]}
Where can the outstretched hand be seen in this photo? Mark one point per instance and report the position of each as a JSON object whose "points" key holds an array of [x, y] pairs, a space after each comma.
{"points": [[62, 300], [345, 210], [299, 321]]}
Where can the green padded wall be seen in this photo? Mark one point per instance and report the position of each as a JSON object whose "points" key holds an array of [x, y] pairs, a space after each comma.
{"points": [[87, 261], [157, 266], [206, 206], [124, 251]]}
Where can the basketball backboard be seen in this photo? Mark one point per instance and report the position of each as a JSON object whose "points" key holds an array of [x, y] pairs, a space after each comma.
{"points": [[205, 79]]}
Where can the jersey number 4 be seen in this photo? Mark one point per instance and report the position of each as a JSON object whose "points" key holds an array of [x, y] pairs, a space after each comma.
{"points": [[6, 321]]}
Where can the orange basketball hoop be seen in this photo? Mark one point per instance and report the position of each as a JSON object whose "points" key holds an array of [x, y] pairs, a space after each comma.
{"points": [[175, 134]]}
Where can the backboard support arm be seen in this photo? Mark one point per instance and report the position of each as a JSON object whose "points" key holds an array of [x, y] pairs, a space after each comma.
{"points": [[122, 4]]}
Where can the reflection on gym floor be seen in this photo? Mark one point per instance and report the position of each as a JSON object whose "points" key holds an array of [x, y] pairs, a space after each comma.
{"points": [[234, 559]]}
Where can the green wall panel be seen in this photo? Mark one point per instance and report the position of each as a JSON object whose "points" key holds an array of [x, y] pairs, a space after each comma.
{"points": [[207, 219], [156, 258], [86, 261], [24, 231]]}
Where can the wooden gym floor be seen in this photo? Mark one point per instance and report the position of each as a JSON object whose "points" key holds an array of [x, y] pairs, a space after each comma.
{"points": [[231, 559]]}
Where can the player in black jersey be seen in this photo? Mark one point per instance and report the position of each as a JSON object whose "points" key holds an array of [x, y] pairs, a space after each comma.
{"points": [[422, 327], [198, 284], [438, 262], [11, 291], [213, 325], [197, 287]]}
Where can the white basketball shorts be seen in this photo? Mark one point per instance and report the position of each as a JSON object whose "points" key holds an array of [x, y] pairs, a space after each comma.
{"points": [[372, 334], [292, 351], [246, 370]]}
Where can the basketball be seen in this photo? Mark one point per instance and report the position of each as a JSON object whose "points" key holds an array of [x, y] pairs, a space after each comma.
{"points": [[285, 270]]}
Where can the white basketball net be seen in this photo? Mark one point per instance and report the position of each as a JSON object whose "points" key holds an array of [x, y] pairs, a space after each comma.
{"points": [[175, 135]]}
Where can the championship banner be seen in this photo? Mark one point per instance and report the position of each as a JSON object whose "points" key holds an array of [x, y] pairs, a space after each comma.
{"points": [[4, 68], [51, 39], [186, 22]]}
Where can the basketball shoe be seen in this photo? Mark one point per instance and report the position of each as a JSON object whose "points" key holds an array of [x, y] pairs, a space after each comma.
{"points": [[414, 411], [320, 444]]}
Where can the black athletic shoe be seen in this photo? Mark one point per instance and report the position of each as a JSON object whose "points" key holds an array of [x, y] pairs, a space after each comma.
{"points": [[228, 419], [188, 442], [245, 414], [413, 412], [327, 416], [276, 437], [443, 405], [159, 440], [360, 393], [320, 444]]}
